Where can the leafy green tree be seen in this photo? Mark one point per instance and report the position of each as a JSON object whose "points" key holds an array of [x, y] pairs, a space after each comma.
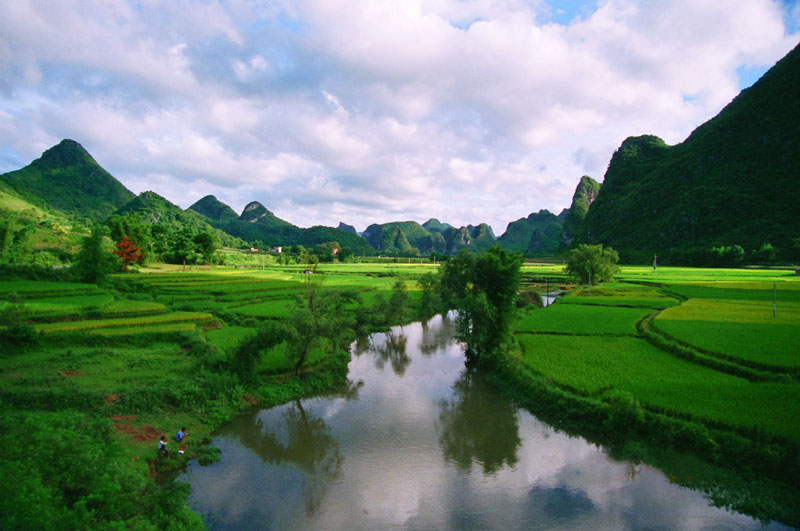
{"points": [[794, 251], [247, 354], [398, 301], [94, 261], [15, 332], [182, 249], [345, 254], [13, 239], [727, 256], [205, 244], [161, 236], [324, 251], [483, 288], [431, 300], [317, 322], [592, 264], [765, 254], [530, 297]]}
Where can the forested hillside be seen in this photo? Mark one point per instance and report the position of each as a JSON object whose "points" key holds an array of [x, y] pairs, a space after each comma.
{"points": [[538, 234], [67, 178], [731, 185]]}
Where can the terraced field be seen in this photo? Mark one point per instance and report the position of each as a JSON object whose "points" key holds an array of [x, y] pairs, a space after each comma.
{"points": [[700, 316]]}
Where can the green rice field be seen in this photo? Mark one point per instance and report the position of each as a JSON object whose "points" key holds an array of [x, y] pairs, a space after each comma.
{"points": [[724, 313]]}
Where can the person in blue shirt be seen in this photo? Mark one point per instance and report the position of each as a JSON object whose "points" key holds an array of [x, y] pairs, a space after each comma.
{"points": [[181, 435]]}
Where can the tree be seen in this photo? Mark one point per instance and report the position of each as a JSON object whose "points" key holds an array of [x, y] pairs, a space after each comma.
{"points": [[765, 254], [483, 288], [592, 264], [325, 252], [243, 361], [128, 252], [136, 229], [398, 301], [345, 254], [94, 262], [182, 249], [206, 243], [431, 300], [317, 322], [13, 239], [15, 332]]}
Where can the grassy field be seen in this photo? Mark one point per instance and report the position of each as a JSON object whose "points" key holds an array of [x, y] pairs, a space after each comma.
{"points": [[725, 314], [116, 367]]}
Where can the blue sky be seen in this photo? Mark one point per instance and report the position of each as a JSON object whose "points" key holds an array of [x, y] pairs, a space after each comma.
{"points": [[369, 111]]}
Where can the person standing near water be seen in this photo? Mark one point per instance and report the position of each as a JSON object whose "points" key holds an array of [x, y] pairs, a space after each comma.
{"points": [[162, 446], [181, 435]]}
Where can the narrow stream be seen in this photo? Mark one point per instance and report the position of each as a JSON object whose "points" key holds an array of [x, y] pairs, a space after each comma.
{"points": [[415, 441]]}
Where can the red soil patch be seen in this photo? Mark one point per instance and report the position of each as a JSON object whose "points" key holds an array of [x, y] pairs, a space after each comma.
{"points": [[125, 428], [13, 375], [148, 433], [253, 401], [144, 434], [123, 417], [110, 399], [210, 325], [72, 373]]}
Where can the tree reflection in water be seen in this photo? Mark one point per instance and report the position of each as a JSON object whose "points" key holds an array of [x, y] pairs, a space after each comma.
{"points": [[437, 334], [305, 442], [393, 350], [477, 425]]}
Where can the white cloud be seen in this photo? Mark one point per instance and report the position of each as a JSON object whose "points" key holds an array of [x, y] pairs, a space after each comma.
{"points": [[466, 111]]}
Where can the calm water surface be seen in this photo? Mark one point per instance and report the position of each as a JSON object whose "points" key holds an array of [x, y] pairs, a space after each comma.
{"points": [[414, 441]]}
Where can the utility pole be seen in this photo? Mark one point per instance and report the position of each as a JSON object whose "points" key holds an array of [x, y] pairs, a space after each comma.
{"points": [[774, 298], [547, 292], [655, 263]]}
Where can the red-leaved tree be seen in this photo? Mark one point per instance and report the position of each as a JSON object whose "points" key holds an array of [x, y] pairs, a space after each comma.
{"points": [[128, 252]]}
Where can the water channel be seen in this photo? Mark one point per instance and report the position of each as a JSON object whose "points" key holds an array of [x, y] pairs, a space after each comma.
{"points": [[415, 441]]}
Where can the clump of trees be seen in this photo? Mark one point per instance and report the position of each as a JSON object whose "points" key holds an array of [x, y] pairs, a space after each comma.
{"points": [[483, 288], [15, 331], [318, 321], [592, 264], [94, 261]]}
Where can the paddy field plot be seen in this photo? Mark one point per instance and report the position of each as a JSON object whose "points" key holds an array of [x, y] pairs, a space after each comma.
{"points": [[594, 365], [617, 294], [582, 319], [741, 329]]}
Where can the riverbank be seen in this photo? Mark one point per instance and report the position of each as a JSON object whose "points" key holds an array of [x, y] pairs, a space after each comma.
{"points": [[108, 370], [595, 365]]}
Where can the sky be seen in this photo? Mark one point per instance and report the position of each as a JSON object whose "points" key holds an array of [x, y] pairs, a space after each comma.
{"points": [[370, 111]]}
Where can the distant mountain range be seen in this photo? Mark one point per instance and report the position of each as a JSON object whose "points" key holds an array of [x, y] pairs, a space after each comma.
{"points": [[734, 181], [67, 179]]}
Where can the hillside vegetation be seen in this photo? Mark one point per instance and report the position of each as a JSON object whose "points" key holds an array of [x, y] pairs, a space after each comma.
{"points": [[732, 182], [67, 178]]}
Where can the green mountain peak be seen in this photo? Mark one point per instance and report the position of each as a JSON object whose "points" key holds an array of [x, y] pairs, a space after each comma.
{"points": [[67, 178], [212, 208]]}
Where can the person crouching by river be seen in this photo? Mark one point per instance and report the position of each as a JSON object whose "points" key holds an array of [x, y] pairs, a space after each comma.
{"points": [[181, 435], [162, 447]]}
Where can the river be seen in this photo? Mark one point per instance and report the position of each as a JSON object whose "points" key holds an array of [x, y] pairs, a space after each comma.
{"points": [[415, 441]]}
